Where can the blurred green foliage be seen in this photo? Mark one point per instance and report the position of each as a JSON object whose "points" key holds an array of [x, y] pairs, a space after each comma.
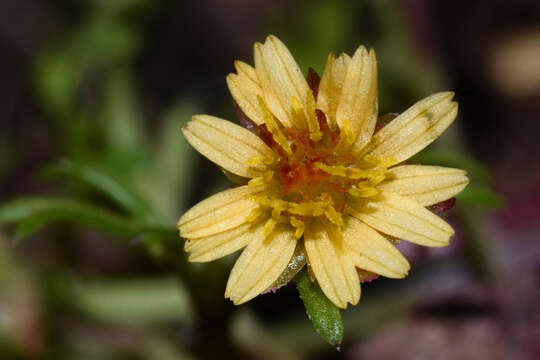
{"points": [[134, 301], [87, 85], [119, 179]]}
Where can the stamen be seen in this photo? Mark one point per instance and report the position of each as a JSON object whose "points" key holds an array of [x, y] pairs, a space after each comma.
{"points": [[278, 208], [334, 216], [315, 133], [332, 170], [308, 208], [373, 161], [257, 181], [255, 214], [331, 122], [273, 127], [309, 116], [269, 226], [257, 161], [363, 192], [268, 175], [377, 179], [298, 111], [350, 173], [299, 225], [264, 181], [346, 139], [365, 174]]}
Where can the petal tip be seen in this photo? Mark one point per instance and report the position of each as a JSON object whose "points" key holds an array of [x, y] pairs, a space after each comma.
{"points": [[198, 118], [273, 38], [257, 48], [230, 78], [447, 95], [360, 51], [181, 222], [403, 274], [237, 64], [344, 56]]}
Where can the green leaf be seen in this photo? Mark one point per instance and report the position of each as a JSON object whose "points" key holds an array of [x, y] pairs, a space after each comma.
{"points": [[168, 182], [57, 78], [26, 228], [104, 183], [100, 40], [324, 31], [122, 114], [296, 264], [481, 196], [324, 315], [64, 72], [134, 300], [46, 210]]}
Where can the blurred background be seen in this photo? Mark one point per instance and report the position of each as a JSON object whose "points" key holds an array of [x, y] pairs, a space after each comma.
{"points": [[94, 174]]}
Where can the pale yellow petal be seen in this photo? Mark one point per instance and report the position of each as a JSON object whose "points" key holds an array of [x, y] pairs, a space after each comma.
{"points": [[227, 144], [365, 263], [260, 264], [427, 185], [220, 212], [375, 252], [222, 244], [245, 69], [270, 99], [331, 84], [404, 219], [281, 79], [332, 263], [357, 108], [244, 87], [415, 128]]}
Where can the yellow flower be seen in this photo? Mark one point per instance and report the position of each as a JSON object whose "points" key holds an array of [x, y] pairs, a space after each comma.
{"points": [[321, 176]]}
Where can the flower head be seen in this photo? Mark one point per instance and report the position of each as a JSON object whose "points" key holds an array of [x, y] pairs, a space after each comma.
{"points": [[320, 176]]}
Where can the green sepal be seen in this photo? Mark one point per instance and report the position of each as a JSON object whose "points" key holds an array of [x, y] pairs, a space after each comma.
{"points": [[324, 315]]}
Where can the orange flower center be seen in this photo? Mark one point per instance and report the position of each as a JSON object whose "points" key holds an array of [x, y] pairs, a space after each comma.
{"points": [[312, 175], [300, 177]]}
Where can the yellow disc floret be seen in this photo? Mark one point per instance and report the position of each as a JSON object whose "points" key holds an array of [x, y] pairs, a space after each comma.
{"points": [[312, 176]]}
